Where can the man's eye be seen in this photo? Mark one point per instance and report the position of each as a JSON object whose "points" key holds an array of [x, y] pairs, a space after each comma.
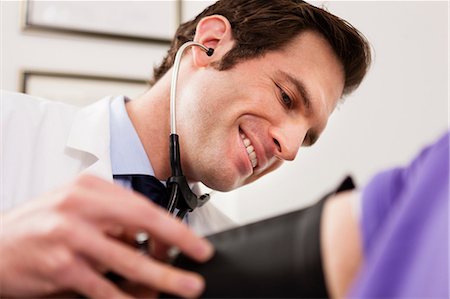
{"points": [[286, 99]]}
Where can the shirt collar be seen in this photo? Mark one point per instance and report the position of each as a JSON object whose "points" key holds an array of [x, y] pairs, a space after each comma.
{"points": [[127, 152]]}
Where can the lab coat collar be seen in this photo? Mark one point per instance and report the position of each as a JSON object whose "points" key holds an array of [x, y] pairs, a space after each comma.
{"points": [[90, 133]]}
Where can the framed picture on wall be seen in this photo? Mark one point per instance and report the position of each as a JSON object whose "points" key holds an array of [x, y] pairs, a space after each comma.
{"points": [[153, 21], [79, 89]]}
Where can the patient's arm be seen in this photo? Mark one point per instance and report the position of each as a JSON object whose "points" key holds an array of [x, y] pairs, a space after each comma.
{"points": [[310, 253], [341, 243]]}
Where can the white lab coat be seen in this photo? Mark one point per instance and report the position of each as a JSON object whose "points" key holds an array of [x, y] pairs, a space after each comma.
{"points": [[46, 144]]}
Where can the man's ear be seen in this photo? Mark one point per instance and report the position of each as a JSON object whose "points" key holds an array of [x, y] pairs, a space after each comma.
{"points": [[213, 32]]}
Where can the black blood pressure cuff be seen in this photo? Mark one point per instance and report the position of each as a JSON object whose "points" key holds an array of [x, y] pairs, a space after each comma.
{"points": [[275, 258]]}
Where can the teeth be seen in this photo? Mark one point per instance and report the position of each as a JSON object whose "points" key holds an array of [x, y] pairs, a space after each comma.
{"points": [[252, 155], [250, 150]]}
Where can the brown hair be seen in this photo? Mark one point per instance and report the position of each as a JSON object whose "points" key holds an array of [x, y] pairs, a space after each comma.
{"points": [[260, 26]]}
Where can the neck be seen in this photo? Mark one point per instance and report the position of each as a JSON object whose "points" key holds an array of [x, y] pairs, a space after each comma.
{"points": [[150, 114]]}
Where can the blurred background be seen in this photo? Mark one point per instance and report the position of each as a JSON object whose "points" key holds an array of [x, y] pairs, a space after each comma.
{"points": [[81, 51]]}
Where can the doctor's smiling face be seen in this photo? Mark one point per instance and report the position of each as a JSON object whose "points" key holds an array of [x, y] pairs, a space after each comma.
{"points": [[242, 123], [277, 72]]}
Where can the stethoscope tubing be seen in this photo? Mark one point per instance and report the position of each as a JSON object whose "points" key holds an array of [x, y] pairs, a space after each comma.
{"points": [[177, 191], [174, 82]]}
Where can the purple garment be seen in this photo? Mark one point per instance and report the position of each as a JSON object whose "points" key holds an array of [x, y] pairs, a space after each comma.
{"points": [[405, 229]]}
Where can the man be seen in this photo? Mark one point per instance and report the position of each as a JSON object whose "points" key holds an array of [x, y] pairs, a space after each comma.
{"points": [[277, 72]]}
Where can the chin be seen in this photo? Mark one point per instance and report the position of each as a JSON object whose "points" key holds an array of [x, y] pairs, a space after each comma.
{"points": [[221, 186], [223, 182]]}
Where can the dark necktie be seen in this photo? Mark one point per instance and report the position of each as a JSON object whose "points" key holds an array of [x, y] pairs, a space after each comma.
{"points": [[149, 186]]}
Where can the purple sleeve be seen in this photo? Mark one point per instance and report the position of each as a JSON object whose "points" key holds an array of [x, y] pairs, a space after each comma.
{"points": [[405, 232], [379, 198]]}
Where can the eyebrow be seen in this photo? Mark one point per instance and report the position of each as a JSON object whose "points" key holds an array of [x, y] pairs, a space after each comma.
{"points": [[306, 97]]}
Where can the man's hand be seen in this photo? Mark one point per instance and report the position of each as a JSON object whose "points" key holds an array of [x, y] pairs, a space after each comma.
{"points": [[52, 244]]}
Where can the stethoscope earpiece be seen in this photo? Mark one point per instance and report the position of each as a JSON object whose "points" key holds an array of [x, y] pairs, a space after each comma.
{"points": [[210, 52]]}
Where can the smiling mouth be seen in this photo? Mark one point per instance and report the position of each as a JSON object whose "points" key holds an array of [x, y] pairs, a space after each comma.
{"points": [[250, 149]]}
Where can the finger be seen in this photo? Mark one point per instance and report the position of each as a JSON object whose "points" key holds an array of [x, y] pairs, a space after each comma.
{"points": [[103, 200], [114, 230], [129, 263], [81, 278]]}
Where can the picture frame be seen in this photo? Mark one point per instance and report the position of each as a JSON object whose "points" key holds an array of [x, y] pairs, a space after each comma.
{"points": [[78, 89], [153, 21]]}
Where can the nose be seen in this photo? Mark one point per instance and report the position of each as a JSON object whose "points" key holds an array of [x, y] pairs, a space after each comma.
{"points": [[287, 140]]}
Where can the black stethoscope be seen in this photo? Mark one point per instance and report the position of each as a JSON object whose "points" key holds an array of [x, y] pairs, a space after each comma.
{"points": [[181, 196]]}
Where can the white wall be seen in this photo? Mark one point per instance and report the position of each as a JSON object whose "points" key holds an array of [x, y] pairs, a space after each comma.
{"points": [[401, 106]]}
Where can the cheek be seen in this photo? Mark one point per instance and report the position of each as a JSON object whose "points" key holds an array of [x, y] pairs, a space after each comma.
{"points": [[203, 104]]}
